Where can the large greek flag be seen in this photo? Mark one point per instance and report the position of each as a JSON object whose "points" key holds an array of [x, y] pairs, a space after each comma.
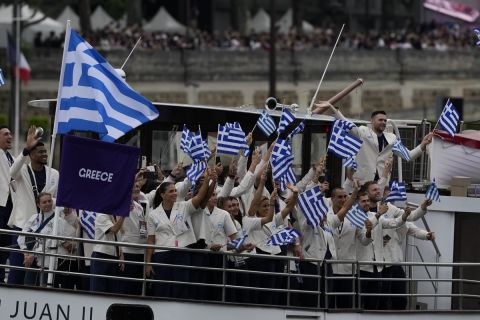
{"points": [[93, 97]]}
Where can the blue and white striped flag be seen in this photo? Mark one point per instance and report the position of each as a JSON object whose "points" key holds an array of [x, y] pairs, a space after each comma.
{"points": [[477, 33], [195, 171], [237, 243], [2, 78], [286, 118], [397, 192], [350, 163], [298, 129], [357, 216], [288, 178], [284, 237], [432, 192], [280, 166], [342, 143], [186, 140], [282, 148], [93, 97], [197, 148], [313, 206], [231, 139], [449, 118], [345, 124], [400, 150], [87, 221], [266, 124], [207, 150]]}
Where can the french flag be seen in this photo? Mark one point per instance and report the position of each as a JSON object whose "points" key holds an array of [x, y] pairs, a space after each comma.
{"points": [[22, 68]]}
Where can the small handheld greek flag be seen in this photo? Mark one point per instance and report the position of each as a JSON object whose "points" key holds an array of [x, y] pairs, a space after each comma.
{"points": [[298, 129], [432, 192], [266, 124], [313, 206], [449, 118], [286, 118], [397, 192], [400, 150], [284, 237], [186, 140], [350, 163], [87, 221], [2, 78], [195, 171], [197, 148], [342, 143], [357, 216], [237, 243], [231, 139]]}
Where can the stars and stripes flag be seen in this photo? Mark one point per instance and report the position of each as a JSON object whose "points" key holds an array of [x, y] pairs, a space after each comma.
{"points": [[449, 118], [298, 129], [397, 192], [186, 140], [432, 192], [284, 237], [87, 221], [477, 33], [93, 97], [2, 78], [286, 118], [313, 206], [231, 139], [266, 124], [400, 150], [350, 163], [357, 216], [237, 243], [342, 143]]}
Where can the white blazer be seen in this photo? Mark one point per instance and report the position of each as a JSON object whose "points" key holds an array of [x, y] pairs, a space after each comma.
{"points": [[24, 204], [393, 249], [5, 178]]}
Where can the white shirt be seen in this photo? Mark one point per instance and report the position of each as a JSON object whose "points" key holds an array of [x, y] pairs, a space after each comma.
{"points": [[220, 227], [134, 229], [103, 223], [259, 235]]}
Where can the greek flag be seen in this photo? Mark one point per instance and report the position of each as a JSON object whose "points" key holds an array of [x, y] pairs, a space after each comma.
{"points": [[195, 171], [2, 78], [266, 123], [231, 139], [400, 150], [350, 163], [207, 150], [237, 243], [432, 192], [449, 118], [357, 216], [280, 166], [284, 237], [342, 143], [197, 148], [346, 124], [288, 178], [186, 140], [282, 148], [281, 161], [87, 221], [313, 206], [397, 192], [286, 118], [298, 129], [477, 33], [93, 97]]}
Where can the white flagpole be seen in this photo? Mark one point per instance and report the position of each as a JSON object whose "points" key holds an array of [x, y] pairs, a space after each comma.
{"points": [[53, 260], [128, 57], [309, 111], [17, 80]]}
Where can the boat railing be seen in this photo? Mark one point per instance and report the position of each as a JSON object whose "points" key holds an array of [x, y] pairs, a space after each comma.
{"points": [[284, 285]]}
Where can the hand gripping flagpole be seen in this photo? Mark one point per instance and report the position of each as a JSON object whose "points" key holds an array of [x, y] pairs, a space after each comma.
{"points": [[309, 111], [53, 260]]}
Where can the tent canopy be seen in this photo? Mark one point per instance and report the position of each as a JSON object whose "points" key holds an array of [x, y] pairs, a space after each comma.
{"points": [[260, 22], [69, 14], [163, 21], [100, 18], [286, 22]]}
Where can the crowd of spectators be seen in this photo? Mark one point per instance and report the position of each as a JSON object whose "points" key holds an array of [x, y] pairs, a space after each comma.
{"points": [[428, 36]]}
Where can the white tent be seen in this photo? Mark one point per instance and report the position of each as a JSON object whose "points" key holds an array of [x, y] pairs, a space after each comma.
{"points": [[286, 22], [100, 18], [260, 22], [69, 14], [44, 27], [163, 21]]}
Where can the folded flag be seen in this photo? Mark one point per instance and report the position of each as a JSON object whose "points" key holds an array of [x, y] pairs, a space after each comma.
{"points": [[477, 33], [186, 140], [397, 192], [237, 243], [400, 150], [313, 206], [449, 118], [298, 129], [432, 192], [286, 118], [350, 163], [342, 143], [87, 221], [357, 216], [266, 124], [284, 237], [2, 78], [93, 97]]}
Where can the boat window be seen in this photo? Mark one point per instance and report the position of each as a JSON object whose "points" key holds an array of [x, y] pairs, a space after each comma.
{"points": [[129, 311], [164, 148]]}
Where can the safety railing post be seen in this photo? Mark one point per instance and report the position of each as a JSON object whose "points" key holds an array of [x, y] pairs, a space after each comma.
{"points": [[325, 276], [460, 288], [44, 257], [224, 277], [410, 287], [359, 287]]}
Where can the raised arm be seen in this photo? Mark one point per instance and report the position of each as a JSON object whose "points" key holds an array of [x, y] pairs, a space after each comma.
{"points": [[350, 201], [290, 202], [198, 199], [258, 194]]}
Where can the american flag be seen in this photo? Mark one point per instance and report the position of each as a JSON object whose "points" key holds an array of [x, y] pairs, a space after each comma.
{"points": [[266, 124], [313, 206], [449, 118]]}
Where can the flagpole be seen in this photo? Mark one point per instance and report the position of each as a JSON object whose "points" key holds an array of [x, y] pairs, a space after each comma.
{"points": [[253, 128], [17, 80], [309, 111], [128, 57], [53, 260]]}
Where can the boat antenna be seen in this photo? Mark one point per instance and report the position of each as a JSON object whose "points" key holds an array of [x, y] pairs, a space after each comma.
{"points": [[136, 44]]}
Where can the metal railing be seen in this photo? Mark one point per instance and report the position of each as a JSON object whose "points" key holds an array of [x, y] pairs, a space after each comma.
{"points": [[282, 289]]}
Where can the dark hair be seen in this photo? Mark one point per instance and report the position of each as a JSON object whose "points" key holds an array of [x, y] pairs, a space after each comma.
{"points": [[4, 127], [38, 144], [367, 185], [161, 189], [374, 113], [240, 214], [334, 190], [222, 201], [41, 194], [362, 193]]}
